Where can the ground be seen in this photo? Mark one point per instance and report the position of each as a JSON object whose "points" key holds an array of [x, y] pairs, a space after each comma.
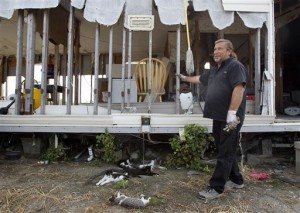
{"points": [[27, 186]]}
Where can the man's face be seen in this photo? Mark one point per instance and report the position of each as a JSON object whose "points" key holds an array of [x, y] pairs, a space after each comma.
{"points": [[221, 53]]}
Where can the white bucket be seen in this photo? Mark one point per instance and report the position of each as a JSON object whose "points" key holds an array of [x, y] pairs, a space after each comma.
{"points": [[104, 96]]}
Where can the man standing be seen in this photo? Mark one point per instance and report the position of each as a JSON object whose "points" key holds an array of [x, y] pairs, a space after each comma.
{"points": [[225, 103]]}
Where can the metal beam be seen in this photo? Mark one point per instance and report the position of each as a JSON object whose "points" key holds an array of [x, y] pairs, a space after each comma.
{"points": [[45, 60], [129, 65], [123, 70], [96, 68], [110, 61], [70, 60], [178, 33], [149, 74], [56, 67], [19, 58], [271, 57], [257, 84], [30, 59], [64, 71]]}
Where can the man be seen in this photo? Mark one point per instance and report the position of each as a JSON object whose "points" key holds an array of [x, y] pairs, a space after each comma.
{"points": [[225, 103]]}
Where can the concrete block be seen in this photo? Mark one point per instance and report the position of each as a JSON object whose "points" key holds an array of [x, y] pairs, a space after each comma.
{"points": [[32, 146]]}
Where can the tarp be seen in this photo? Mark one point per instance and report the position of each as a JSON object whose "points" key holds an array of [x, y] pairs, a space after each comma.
{"points": [[253, 20], [222, 19], [134, 7], [106, 12], [171, 12], [79, 4], [11, 5], [247, 5]]}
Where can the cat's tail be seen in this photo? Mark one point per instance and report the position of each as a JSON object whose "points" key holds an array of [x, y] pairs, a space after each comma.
{"points": [[90, 180], [93, 177]]}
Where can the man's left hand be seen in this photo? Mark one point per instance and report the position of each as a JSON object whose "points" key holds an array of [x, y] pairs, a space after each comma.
{"points": [[232, 120]]}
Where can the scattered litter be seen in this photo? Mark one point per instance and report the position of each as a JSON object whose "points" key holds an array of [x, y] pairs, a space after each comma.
{"points": [[259, 176], [278, 171], [43, 162], [193, 172]]}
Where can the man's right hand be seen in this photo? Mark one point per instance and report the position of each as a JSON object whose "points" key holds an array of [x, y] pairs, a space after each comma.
{"points": [[180, 76]]}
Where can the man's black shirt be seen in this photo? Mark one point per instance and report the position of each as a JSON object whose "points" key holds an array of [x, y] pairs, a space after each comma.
{"points": [[220, 84]]}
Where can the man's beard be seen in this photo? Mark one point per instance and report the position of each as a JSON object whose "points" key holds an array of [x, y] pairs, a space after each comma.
{"points": [[217, 59]]}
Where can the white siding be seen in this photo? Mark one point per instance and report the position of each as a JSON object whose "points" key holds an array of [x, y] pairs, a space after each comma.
{"points": [[247, 5]]}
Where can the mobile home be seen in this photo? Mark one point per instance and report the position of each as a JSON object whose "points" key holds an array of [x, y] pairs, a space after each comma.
{"points": [[70, 66]]}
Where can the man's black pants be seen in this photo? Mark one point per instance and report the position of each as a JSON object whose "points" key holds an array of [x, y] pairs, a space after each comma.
{"points": [[227, 165]]}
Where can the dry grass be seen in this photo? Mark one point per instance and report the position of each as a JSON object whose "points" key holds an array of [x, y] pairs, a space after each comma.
{"points": [[32, 199], [18, 200], [42, 189], [61, 188]]}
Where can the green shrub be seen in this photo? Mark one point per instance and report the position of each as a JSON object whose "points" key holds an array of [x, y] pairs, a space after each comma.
{"points": [[106, 147], [187, 153], [54, 154]]}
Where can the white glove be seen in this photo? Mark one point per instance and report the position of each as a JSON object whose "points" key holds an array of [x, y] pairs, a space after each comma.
{"points": [[180, 76], [232, 120], [231, 116]]}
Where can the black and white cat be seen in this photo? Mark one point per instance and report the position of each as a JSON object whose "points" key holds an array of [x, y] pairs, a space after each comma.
{"points": [[112, 176], [128, 170], [130, 202], [128, 164], [137, 170]]}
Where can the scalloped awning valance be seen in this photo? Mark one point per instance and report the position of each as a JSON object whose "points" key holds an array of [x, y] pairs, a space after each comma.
{"points": [[252, 12]]}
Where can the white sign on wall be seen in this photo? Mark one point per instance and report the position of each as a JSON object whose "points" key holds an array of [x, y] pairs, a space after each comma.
{"points": [[141, 22]]}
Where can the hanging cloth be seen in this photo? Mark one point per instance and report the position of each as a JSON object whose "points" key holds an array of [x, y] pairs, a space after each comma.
{"points": [[171, 11], [105, 12], [134, 7]]}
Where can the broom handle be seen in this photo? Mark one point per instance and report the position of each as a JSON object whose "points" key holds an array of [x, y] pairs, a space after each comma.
{"points": [[186, 23]]}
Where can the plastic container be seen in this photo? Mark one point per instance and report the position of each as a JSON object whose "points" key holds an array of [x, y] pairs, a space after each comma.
{"points": [[36, 98]]}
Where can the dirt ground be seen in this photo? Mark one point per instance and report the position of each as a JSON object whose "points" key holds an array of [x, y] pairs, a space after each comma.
{"points": [[26, 186]]}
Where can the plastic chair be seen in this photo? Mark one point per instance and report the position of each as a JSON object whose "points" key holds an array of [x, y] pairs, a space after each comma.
{"points": [[158, 79]]}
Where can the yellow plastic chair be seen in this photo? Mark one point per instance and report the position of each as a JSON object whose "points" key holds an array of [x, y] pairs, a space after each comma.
{"points": [[158, 79]]}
